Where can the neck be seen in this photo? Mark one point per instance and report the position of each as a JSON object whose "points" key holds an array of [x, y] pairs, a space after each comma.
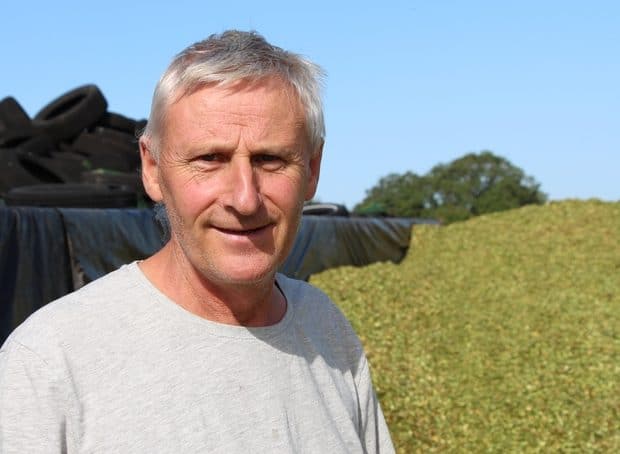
{"points": [[252, 304]]}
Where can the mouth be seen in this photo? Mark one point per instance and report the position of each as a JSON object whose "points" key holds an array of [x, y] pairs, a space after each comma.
{"points": [[243, 232]]}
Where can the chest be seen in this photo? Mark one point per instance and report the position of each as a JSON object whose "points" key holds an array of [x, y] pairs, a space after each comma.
{"points": [[219, 397]]}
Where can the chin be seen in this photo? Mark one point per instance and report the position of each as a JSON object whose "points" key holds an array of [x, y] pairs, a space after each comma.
{"points": [[245, 274]]}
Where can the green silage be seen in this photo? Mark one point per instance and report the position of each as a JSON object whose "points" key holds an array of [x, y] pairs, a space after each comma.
{"points": [[498, 334]]}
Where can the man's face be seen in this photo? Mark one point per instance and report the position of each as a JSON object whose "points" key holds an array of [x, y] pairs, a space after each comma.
{"points": [[235, 168]]}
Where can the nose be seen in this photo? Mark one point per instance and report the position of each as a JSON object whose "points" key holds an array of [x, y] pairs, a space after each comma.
{"points": [[243, 192]]}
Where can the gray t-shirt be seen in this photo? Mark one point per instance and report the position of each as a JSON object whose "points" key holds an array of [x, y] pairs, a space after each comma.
{"points": [[117, 367]]}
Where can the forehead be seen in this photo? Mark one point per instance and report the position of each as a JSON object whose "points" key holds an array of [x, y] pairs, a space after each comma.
{"points": [[268, 109]]}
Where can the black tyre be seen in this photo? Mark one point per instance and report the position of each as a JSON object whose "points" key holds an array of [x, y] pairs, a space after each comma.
{"points": [[71, 196], [25, 163], [325, 209], [68, 115], [63, 167], [36, 145], [118, 122], [107, 151], [115, 135], [13, 138], [12, 116], [131, 180], [13, 173]]}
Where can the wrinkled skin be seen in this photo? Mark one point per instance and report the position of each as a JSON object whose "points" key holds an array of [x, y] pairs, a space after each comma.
{"points": [[234, 170]]}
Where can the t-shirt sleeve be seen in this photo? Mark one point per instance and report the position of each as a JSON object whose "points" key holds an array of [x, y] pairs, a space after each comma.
{"points": [[31, 403], [374, 430]]}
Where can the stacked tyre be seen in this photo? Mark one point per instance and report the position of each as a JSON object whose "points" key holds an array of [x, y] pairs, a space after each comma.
{"points": [[73, 152]]}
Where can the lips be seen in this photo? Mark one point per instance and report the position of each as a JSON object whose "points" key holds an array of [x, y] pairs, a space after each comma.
{"points": [[240, 232], [243, 231]]}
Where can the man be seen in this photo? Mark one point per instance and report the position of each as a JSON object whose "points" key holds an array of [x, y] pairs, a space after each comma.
{"points": [[203, 347]]}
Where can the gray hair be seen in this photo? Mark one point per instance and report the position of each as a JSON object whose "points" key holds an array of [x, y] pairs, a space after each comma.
{"points": [[231, 57]]}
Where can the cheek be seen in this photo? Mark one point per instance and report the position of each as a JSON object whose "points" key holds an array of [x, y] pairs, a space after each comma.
{"points": [[286, 191], [186, 195]]}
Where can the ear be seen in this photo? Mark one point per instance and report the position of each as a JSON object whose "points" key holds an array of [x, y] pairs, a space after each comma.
{"points": [[150, 171], [314, 169]]}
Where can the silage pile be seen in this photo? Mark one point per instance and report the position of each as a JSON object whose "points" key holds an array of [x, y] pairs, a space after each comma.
{"points": [[498, 334]]}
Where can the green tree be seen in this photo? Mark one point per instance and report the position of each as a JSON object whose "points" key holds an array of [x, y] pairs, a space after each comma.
{"points": [[469, 186], [396, 195]]}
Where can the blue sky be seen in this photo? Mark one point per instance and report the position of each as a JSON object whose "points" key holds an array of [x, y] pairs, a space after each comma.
{"points": [[410, 83]]}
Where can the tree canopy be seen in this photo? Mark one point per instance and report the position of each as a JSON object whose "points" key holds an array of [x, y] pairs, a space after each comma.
{"points": [[469, 186]]}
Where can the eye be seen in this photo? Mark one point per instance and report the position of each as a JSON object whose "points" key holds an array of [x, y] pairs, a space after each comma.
{"points": [[213, 157], [268, 161], [209, 160]]}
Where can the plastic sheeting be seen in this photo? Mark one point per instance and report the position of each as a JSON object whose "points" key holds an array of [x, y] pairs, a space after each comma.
{"points": [[101, 241], [48, 252], [34, 263], [325, 242]]}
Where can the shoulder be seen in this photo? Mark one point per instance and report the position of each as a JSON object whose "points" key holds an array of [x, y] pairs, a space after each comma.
{"points": [[300, 289], [78, 311], [309, 301], [322, 322]]}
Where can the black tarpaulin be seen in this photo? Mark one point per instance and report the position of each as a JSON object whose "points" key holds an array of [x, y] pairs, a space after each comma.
{"points": [[34, 263], [103, 240], [325, 242], [48, 252]]}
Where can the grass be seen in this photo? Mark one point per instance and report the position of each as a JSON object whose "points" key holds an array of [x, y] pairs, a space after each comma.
{"points": [[498, 334]]}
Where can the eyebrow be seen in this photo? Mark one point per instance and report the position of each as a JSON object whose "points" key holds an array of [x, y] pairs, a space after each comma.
{"points": [[287, 150]]}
